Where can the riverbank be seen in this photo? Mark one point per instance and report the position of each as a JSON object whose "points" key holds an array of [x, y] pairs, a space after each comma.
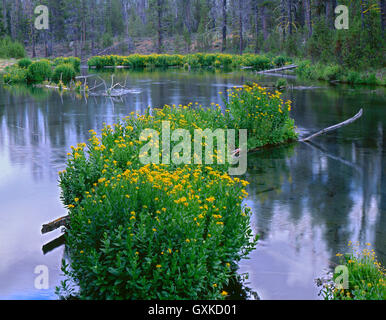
{"points": [[4, 63], [65, 69], [337, 74]]}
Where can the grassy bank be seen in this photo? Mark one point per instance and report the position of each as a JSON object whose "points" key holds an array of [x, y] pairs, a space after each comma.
{"points": [[159, 231], [366, 277], [197, 60], [4, 63], [336, 73]]}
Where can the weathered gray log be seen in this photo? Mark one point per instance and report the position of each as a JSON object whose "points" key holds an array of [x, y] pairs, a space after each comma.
{"points": [[292, 66], [53, 225], [334, 127]]}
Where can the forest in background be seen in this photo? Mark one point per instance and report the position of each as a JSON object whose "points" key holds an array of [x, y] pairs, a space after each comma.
{"points": [[297, 28]]}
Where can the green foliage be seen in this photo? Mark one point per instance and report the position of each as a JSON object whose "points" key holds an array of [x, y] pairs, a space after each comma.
{"points": [[281, 83], [107, 40], [39, 71], [64, 72], [366, 278], [319, 71], [140, 235], [74, 61], [264, 115], [280, 61], [14, 74], [163, 231], [24, 63], [11, 49], [196, 60]]}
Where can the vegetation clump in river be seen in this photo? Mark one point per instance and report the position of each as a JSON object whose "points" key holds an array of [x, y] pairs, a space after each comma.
{"points": [[59, 70], [366, 277], [163, 231]]}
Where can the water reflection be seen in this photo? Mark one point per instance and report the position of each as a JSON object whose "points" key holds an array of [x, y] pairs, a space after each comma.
{"points": [[308, 199]]}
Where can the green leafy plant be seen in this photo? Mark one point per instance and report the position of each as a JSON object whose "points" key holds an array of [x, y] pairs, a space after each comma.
{"points": [[162, 231], [39, 71], [11, 49], [64, 72], [24, 63], [366, 277]]}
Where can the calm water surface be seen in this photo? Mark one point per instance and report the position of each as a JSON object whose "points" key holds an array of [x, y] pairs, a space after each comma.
{"points": [[308, 200]]}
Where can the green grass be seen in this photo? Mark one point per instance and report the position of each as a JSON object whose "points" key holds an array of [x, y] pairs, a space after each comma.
{"points": [[196, 60], [333, 72]]}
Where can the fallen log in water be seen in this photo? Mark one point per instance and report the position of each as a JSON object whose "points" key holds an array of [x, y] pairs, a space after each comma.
{"points": [[334, 127], [292, 66], [53, 225]]}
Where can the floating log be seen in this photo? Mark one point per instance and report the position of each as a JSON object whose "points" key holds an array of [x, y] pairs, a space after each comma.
{"points": [[334, 127], [292, 66], [60, 222]]}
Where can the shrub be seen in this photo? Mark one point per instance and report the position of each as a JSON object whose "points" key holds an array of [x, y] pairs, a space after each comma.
{"points": [[14, 74], [74, 61], [24, 63], [153, 234], [107, 40], [353, 77], [304, 69], [280, 61], [39, 71], [256, 61], [64, 72], [366, 277], [11, 49], [162, 231], [264, 115], [281, 83], [332, 72]]}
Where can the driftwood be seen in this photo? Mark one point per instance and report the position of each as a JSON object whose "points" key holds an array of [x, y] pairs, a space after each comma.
{"points": [[334, 127], [53, 225], [292, 66]]}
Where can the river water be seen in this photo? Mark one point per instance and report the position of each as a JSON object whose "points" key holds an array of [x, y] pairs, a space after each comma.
{"points": [[308, 199]]}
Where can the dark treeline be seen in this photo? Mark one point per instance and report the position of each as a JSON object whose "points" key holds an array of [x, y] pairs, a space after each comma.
{"points": [[303, 28]]}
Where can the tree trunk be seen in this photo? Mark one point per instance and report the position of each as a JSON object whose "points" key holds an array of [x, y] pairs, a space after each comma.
{"points": [[264, 22], [125, 8], [329, 13], [224, 25], [4, 12], [289, 13], [256, 26], [241, 26], [307, 11], [382, 4], [159, 25], [362, 6], [15, 10], [283, 17]]}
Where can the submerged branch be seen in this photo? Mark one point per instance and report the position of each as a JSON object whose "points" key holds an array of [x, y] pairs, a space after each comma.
{"points": [[334, 127]]}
